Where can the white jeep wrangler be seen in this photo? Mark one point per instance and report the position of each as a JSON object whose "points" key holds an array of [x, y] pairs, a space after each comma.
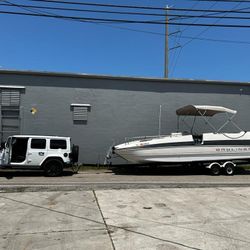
{"points": [[49, 153]]}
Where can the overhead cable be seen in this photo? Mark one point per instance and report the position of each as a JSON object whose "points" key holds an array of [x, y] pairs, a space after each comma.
{"points": [[142, 7], [180, 16], [112, 20]]}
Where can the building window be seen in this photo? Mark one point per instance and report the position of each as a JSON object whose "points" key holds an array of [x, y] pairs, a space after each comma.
{"points": [[38, 143], [56, 144], [80, 113]]}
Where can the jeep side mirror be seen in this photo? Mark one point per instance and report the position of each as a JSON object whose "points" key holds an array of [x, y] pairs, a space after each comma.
{"points": [[2, 144]]}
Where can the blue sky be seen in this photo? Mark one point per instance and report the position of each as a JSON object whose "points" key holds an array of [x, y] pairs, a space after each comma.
{"points": [[43, 44]]}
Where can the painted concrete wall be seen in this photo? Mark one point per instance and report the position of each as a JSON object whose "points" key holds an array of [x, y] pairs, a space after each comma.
{"points": [[120, 107]]}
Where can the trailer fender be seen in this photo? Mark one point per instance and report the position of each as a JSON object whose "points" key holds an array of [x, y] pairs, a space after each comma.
{"points": [[211, 164], [228, 162], [215, 168]]}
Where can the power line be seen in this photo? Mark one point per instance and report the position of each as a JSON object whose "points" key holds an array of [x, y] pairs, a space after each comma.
{"points": [[142, 7], [116, 12], [182, 46], [215, 23], [96, 23], [161, 34], [216, 40], [229, 1], [87, 10], [239, 11], [202, 32], [101, 5], [112, 20], [171, 34], [182, 16], [177, 42]]}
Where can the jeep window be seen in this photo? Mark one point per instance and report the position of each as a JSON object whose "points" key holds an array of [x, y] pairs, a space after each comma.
{"points": [[38, 143], [56, 144]]}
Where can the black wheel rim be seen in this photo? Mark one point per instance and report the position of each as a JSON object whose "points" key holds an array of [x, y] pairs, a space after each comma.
{"points": [[53, 169]]}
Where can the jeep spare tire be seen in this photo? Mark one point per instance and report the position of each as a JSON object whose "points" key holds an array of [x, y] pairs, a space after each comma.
{"points": [[75, 153]]}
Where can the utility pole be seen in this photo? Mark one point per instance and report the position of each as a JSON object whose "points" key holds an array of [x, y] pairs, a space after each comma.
{"points": [[166, 46]]}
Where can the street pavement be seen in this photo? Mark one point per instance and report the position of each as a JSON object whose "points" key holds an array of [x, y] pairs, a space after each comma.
{"points": [[96, 179]]}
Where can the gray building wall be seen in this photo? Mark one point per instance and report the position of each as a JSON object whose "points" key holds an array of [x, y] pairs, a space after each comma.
{"points": [[120, 106]]}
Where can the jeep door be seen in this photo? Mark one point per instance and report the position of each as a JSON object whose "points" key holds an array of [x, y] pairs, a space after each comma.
{"points": [[37, 151], [18, 150]]}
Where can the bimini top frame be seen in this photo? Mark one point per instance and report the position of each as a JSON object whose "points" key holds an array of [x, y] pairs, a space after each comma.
{"points": [[202, 110], [206, 111]]}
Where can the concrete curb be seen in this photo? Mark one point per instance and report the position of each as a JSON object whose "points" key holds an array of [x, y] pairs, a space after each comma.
{"points": [[6, 188]]}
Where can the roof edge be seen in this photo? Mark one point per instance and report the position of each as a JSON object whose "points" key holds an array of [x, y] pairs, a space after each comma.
{"points": [[130, 78]]}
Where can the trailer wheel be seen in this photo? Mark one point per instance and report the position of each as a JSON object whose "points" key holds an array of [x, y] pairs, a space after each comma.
{"points": [[215, 169], [229, 168], [53, 167]]}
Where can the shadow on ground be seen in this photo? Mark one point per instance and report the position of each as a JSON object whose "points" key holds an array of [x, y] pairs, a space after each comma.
{"points": [[10, 174], [124, 170], [168, 170]]}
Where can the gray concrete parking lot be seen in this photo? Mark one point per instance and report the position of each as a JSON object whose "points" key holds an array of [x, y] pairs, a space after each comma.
{"points": [[102, 209], [197, 218]]}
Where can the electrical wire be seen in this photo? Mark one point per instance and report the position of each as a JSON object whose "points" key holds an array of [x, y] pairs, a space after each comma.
{"points": [[216, 40], [229, 1], [141, 7], [96, 23], [180, 51], [177, 41], [89, 10], [180, 16], [205, 30], [157, 33], [202, 32], [112, 20], [107, 21]]}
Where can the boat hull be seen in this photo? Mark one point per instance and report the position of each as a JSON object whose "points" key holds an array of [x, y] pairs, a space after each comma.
{"points": [[182, 154]]}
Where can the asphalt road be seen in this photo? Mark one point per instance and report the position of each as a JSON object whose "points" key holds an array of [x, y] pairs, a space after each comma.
{"points": [[13, 181]]}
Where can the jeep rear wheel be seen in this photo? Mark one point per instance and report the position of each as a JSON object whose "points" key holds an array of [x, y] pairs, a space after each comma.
{"points": [[53, 167]]}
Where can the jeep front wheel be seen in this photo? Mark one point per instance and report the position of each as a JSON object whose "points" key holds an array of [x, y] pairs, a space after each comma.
{"points": [[53, 167]]}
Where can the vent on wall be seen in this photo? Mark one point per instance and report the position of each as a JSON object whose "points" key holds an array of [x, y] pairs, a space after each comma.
{"points": [[80, 112], [10, 117], [10, 97]]}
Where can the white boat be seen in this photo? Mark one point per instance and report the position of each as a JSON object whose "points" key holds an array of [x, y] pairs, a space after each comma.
{"points": [[209, 148]]}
